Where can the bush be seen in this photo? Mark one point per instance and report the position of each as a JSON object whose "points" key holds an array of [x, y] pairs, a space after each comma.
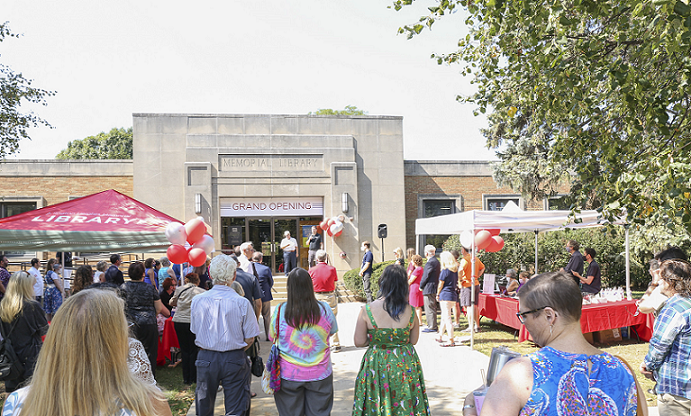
{"points": [[519, 253], [353, 281]]}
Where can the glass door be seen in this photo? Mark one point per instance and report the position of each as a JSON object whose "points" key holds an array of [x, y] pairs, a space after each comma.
{"points": [[260, 234], [280, 227]]}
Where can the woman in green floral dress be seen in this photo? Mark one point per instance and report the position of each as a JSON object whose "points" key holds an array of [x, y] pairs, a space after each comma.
{"points": [[390, 381]]}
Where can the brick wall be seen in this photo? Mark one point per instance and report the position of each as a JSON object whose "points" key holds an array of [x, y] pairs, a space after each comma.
{"points": [[55, 189], [471, 188]]}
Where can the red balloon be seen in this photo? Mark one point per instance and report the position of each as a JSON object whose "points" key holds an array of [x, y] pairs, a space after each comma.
{"points": [[482, 239], [499, 241], [330, 222], [338, 233], [177, 254], [494, 231], [328, 231], [323, 225], [197, 256], [493, 246], [195, 230]]}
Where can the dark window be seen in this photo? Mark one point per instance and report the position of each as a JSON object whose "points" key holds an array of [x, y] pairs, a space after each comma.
{"points": [[8, 209], [435, 208], [558, 203], [498, 204]]}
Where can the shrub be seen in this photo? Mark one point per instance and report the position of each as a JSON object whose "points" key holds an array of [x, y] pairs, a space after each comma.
{"points": [[353, 281]]}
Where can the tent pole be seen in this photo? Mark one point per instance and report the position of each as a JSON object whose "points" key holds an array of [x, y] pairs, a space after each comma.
{"points": [[628, 264], [471, 309], [535, 252]]}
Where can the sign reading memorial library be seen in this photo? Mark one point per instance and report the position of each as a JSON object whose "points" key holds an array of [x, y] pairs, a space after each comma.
{"points": [[271, 163], [272, 207]]}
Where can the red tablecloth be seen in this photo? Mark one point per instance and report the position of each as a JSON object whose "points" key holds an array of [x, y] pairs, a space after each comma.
{"points": [[168, 339], [593, 318]]}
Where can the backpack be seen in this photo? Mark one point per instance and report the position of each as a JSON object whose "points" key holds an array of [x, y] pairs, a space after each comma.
{"points": [[11, 367]]}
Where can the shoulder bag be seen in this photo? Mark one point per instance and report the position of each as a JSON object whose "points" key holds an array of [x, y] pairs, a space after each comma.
{"points": [[11, 367], [271, 378]]}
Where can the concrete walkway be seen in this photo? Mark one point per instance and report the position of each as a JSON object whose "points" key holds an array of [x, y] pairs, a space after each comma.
{"points": [[450, 373]]}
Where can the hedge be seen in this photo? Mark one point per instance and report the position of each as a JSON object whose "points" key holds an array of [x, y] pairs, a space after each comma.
{"points": [[353, 281]]}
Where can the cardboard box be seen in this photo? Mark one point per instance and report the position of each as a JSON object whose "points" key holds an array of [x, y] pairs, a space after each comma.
{"points": [[589, 337], [607, 336]]}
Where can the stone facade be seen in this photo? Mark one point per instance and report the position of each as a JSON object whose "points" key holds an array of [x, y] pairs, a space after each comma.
{"points": [[184, 162]]}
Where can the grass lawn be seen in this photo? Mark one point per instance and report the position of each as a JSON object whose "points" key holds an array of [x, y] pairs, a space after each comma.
{"points": [[180, 396]]}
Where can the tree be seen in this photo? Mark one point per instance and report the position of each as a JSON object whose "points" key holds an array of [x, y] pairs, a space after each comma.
{"points": [[14, 91], [116, 144], [350, 110], [594, 92]]}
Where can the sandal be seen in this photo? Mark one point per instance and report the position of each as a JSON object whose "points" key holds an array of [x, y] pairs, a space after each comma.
{"points": [[439, 340], [450, 344]]}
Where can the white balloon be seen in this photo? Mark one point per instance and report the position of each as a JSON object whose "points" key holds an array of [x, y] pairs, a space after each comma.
{"points": [[466, 238], [206, 243], [176, 234], [336, 227]]}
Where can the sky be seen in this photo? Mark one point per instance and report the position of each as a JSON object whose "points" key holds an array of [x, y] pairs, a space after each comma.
{"points": [[109, 59]]}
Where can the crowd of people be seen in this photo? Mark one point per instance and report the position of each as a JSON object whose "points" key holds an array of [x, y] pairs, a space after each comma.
{"points": [[217, 323]]}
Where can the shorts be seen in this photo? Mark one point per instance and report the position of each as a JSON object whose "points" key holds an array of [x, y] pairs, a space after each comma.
{"points": [[465, 295]]}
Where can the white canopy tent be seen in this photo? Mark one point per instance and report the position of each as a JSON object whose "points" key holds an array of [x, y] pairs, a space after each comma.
{"points": [[514, 220]]}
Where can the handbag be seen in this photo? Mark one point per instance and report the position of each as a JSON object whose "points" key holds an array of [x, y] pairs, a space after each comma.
{"points": [[257, 362], [11, 367], [271, 377]]}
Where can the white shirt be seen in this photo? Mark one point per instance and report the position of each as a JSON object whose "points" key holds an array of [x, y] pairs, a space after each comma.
{"points": [[97, 276], [38, 284], [222, 320], [289, 244], [245, 263]]}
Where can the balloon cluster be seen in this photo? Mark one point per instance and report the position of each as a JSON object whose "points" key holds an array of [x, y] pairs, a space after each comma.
{"points": [[333, 226], [488, 240], [193, 233]]}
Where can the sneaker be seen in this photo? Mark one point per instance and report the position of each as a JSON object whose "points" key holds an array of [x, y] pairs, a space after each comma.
{"points": [[337, 348], [466, 330], [455, 324], [429, 330]]}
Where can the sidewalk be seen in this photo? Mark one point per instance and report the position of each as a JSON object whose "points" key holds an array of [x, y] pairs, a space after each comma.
{"points": [[450, 373]]}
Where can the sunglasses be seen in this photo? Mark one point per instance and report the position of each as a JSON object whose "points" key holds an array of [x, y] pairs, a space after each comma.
{"points": [[521, 315]]}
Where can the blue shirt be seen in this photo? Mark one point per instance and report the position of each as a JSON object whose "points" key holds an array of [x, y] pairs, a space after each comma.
{"points": [[222, 320], [367, 258], [563, 384], [669, 352], [450, 282]]}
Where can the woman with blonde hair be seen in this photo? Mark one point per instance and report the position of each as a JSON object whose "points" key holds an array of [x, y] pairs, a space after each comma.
{"points": [[398, 252], [447, 295], [23, 323], [72, 380]]}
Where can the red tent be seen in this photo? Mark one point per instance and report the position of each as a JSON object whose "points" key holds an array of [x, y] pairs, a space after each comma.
{"points": [[106, 221]]}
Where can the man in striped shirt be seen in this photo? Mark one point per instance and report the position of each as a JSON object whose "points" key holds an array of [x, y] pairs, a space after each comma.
{"points": [[225, 326]]}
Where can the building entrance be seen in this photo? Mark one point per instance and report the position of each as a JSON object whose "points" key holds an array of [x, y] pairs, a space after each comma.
{"points": [[266, 235]]}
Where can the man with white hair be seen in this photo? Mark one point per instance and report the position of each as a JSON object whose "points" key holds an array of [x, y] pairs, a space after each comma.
{"points": [[428, 285], [225, 326], [324, 278], [247, 250], [289, 245]]}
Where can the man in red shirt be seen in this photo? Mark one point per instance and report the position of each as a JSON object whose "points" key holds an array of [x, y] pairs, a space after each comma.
{"points": [[324, 279]]}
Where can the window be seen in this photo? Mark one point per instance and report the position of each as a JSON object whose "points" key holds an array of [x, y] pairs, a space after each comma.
{"points": [[498, 202], [559, 202], [8, 209], [433, 206]]}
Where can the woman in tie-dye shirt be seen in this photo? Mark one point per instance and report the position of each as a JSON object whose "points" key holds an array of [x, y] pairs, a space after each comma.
{"points": [[302, 327]]}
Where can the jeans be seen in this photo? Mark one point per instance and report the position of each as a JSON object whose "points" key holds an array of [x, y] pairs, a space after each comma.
{"points": [[289, 261]]}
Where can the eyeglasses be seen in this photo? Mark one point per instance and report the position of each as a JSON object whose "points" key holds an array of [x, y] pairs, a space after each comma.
{"points": [[521, 315]]}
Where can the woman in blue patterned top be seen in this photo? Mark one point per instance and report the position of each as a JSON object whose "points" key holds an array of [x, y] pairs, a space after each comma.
{"points": [[567, 376]]}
